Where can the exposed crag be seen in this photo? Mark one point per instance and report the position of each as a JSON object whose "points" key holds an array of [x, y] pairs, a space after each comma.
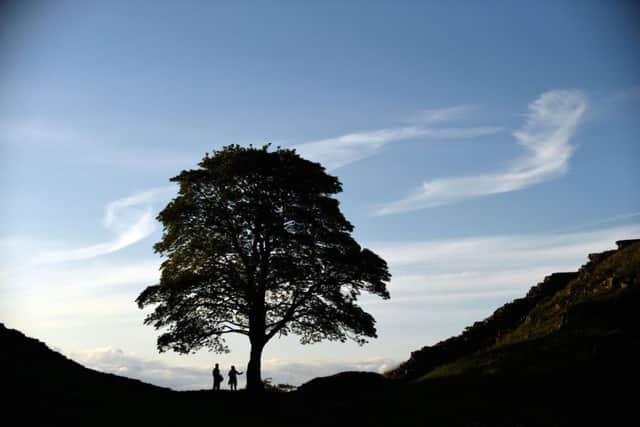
{"points": [[600, 299]]}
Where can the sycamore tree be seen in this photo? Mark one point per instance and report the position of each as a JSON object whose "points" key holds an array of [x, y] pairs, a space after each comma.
{"points": [[255, 244]]}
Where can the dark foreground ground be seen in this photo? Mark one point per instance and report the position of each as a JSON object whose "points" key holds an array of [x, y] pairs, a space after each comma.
{"points": [[560, 380], [607, 399]]}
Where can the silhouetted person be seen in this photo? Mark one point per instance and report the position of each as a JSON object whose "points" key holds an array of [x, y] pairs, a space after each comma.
{"points": [[233, 378], [217, 378]]}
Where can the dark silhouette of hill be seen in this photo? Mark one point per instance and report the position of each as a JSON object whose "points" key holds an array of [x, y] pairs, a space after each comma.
{"points": [[583, 316], [482, 333], [28, 362], [565, 354], [43, 383], [345, 383], [42, 387]]}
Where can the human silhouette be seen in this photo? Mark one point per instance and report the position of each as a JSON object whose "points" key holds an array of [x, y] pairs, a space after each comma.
{"points": [[233, 378], [217, 377]]}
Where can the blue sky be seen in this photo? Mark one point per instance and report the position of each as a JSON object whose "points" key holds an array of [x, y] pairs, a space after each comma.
{"points": [[482, 145]]}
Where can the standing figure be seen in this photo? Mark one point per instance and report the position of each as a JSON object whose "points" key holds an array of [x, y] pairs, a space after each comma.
{"points": [[233, 378], [217, 378]]}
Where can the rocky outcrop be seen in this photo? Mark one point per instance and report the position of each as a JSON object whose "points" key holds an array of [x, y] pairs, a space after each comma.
{"points": [[561, 300], [482, 333], [626, 243]]}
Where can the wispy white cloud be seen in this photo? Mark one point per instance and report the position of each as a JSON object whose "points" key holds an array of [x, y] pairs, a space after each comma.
{"points": [[340, 151], [455, 269], [82, 279], [35, 132], [494, 252], [591, 224], [100, 147], [65, 297], [131, 219], [550, 124], [451, 283], [437, 115], [627, 94]]}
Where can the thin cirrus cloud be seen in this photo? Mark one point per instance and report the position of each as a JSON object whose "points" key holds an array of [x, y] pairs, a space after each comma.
{"points": [[550, 124], [445, 273], [431, 116], [493, 252], [342, 150], [131, 219]]}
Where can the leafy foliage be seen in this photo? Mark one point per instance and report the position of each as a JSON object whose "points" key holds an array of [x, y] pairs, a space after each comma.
{"points": [[256, 245]]}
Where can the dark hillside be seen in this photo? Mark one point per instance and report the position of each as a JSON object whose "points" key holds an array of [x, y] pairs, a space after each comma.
{"points": [[483, 333], [591, 316], [600, 301], [30, 365], [42, 387], [41, 384]]}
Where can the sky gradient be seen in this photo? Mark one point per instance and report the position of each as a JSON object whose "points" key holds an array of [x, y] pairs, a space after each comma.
{"points": [[481, 146]]}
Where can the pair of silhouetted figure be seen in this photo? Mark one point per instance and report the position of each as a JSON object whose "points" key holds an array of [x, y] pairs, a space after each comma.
{"points": [[233, 377]]}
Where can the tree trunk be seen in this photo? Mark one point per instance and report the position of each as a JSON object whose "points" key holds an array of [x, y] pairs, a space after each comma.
{"points": [[257, 339], [254, 371]]}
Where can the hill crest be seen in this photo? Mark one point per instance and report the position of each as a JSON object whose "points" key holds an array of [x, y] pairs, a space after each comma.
{"points": [[556, 303]]}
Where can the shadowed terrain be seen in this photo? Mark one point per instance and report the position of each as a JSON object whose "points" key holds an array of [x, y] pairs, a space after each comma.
{"points": [[565, 354]]}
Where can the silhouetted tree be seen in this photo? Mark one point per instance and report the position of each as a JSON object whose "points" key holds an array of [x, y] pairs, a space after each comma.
{"points": [[257, 245]]}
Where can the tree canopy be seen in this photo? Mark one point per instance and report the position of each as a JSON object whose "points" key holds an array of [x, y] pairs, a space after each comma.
{"points": [[255, 244]]}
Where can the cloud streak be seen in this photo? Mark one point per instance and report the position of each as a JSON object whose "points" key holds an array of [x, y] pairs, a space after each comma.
{"points": [[452, 283], [131, 219], [340, 151], [438, 115], [549, 126], [35, 132], [451, 270]]}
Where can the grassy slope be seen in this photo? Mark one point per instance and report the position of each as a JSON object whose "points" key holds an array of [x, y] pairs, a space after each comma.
{"points": [[481, 334], [590, 323]]}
